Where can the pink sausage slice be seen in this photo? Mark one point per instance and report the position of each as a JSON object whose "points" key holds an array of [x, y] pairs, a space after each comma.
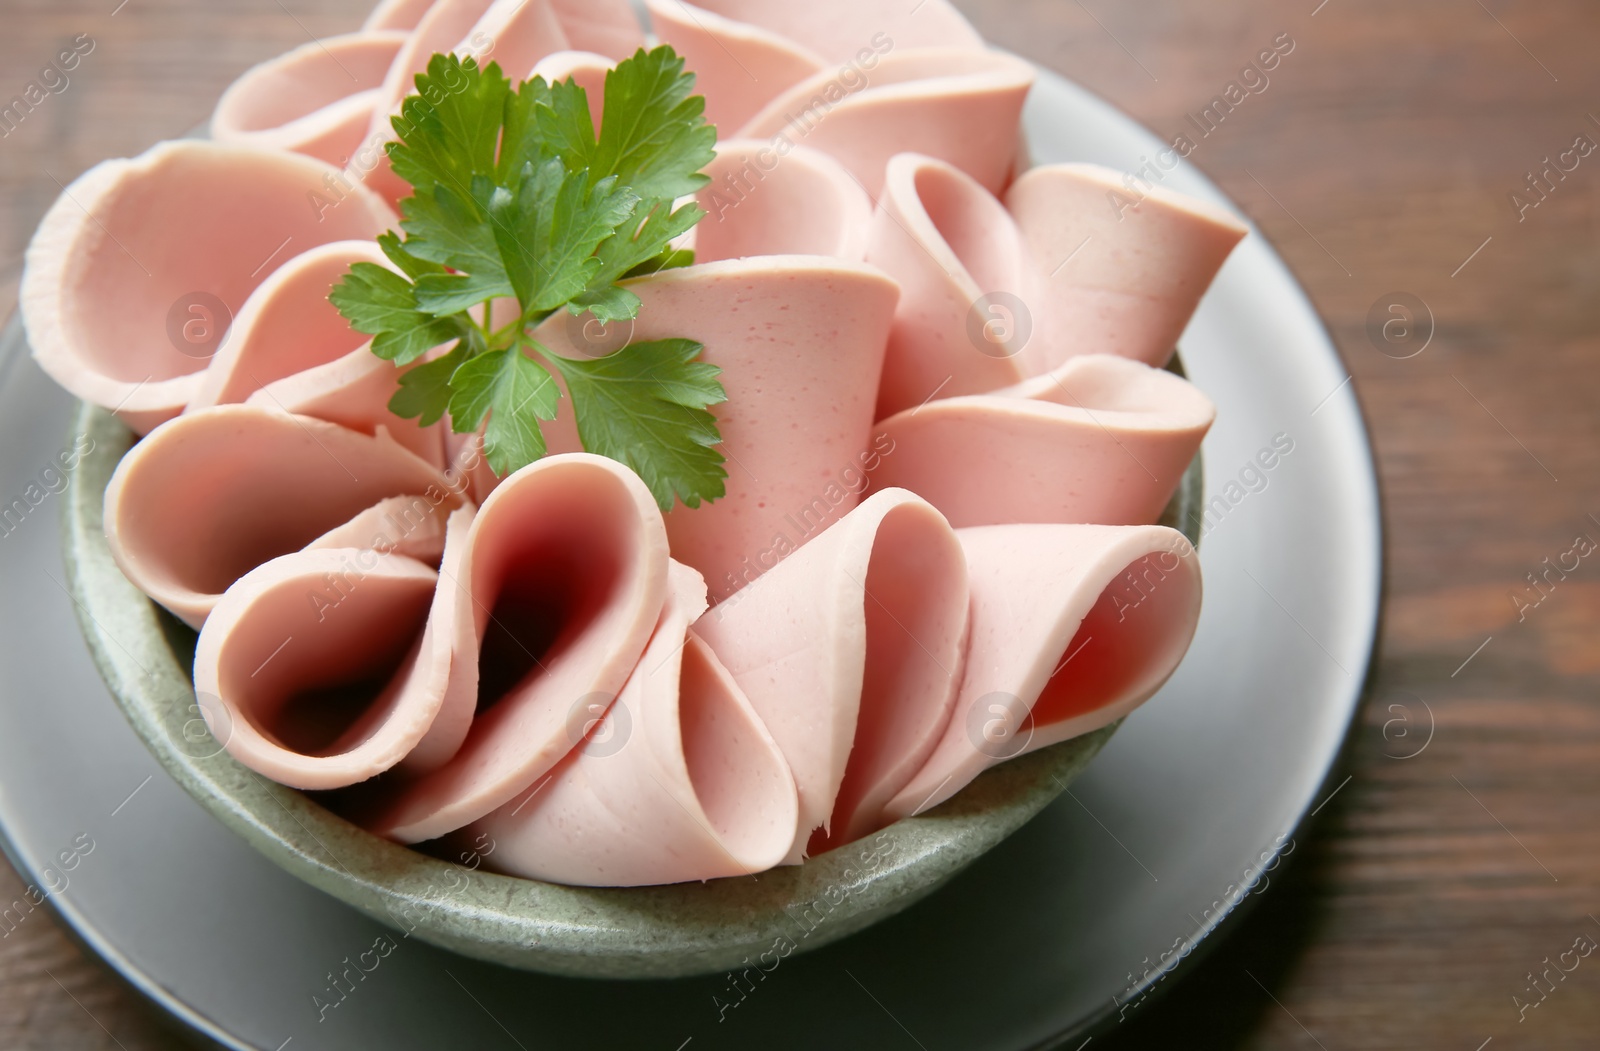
{"points": [[738, 67], [516, 34], [1148, 255], [955, 104], [446, 27], [138, 266], [838, 32], [413, 526], [996, 292], [206, 498], [747, 52], [605, 27], [561, 581], [585, 68], [1072, 628], [326, 667], [397, 14], [778, 199], [463, 27], [851, 651], [286, 326], [954, 248], [469, 471], [677, 780], [1101, 440], [316, 100], [800, 341], [354, 391]]}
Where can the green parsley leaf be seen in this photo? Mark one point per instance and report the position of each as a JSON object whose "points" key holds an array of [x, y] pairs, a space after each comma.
{"points": [[669, 259], [424, 393], [521, 208], [444, 227], [607, 303], [383, 304], [645, 406], [548, 228], [515, 392], [653, 135], [450, 129], [544, 121], [409, 264], [628, 250]]}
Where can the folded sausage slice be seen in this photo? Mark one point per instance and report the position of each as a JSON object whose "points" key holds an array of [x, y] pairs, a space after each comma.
{"points": [[514, 35], [413, 526], [316, 100], [587, 69], [677, 779], [287, 325], [562, 578], [1071, 261], [605, 27], [774, 198], [746, 53], [208, 497], [137, 269], [1073, 627], [396, 14], [965, 285], [1147, 256], [354, 391], [959, 105], [326, 667], [850, 651], [800, 341], [1100, 440]]}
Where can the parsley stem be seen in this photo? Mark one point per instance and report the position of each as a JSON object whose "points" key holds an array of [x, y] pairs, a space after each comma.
{"points": [[497, 338]]}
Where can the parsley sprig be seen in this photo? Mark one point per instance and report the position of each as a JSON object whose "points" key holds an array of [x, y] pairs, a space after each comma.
{"points": [[516, 198]]}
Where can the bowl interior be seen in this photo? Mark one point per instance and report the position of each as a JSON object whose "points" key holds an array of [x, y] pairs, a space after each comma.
{"points": [[145, 657]]}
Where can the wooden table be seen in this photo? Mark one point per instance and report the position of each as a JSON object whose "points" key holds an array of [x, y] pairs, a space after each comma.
{"points": [[1381, 159]]}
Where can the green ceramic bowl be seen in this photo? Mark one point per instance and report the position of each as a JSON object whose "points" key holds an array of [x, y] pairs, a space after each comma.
{"points": [[145, 657]]}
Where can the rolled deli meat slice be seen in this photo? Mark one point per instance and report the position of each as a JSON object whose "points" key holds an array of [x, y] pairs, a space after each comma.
{"points": [[954, 104], [138, 268], [208, 497], [330, 692], [562, 578], [800, 341], [1148, 255], [851, 651], [1072, 628], [316, 100], [772, 199], [964, 281], [1070, 262], [745, 53], [413, 526], [287, 325], [605, 27], [513, 34], [677, 779], [354, 391], [1102, 440], [397, 14]]}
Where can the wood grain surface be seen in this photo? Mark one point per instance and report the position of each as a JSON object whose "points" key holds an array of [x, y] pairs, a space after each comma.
{"points": [[1381, 160]]}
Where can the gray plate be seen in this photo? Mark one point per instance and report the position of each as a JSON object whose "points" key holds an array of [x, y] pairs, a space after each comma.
{"points": [[1033, 946]]}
